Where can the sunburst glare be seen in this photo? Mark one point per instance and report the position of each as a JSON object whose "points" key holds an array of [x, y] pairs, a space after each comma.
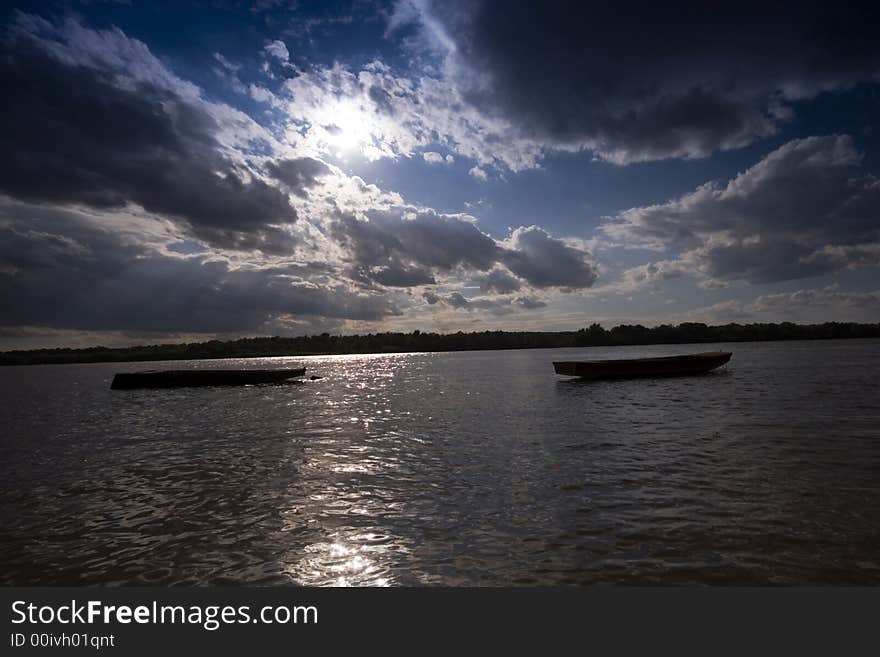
{"points": [[346, 128]]}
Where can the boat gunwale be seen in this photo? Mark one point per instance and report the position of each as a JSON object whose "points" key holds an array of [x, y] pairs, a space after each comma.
{"points": [[650, 359], [652, 367], [217, 371], [203, 378]]}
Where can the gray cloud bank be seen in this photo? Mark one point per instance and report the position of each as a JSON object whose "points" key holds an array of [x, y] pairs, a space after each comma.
{"points": [[806, 209], [60, 268], [807, 305]]}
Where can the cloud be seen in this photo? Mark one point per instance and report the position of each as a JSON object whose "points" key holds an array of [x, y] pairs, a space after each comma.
{"points": [[399, 276], [500, 282], [106, 128], [299, 174], [806, 209], [649, 276], [385, 115], [543, 261], [425, 239], [226, 64], [497, 306], [228, 71], [261, 94], [391, 243], [456, 300], [805, 305], [278, 50], [530, 303], [723, 312], [711, 284], [838, 257], [831, 296], [478, 173], [651, 81], [432, 157], [70, 270]]}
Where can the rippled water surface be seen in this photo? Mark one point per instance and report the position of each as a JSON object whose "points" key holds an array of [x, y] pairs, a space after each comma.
{"points": [[473, 468]]}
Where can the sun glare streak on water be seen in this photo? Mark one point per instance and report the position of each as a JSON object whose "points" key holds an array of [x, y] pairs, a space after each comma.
{"points": [[478, 468]]}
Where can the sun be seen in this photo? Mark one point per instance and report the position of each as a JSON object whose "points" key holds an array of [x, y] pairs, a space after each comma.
{"points": [[346, 128]]}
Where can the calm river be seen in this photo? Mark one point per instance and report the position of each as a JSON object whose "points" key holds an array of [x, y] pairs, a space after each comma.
{"points": [[469, 468]]}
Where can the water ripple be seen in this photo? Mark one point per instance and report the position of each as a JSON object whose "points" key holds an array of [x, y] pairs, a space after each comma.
{"points": [[478, 468]]}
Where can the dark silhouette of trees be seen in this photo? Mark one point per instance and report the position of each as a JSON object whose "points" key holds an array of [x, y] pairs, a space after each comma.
{"points": [[592, 336]]}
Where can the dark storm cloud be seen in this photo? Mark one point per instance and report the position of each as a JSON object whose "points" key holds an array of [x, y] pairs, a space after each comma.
{"points": [[653, 80], [806, 209], [406, 246], [60, 269], [298, 174], [91, 135]]}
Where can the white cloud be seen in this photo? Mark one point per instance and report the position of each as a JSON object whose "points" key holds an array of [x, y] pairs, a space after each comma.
{"points": [[432, 157], [262, 95], [380, 115], [649, 276], [229, 72], [278, 50], [478, 173], [226, 64]]}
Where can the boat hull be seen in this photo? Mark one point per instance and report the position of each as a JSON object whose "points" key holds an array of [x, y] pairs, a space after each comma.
{"points": [[644, 367], [200, 378]]}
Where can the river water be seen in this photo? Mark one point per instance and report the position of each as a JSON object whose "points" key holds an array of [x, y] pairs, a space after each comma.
{"points": [[468, 468]]}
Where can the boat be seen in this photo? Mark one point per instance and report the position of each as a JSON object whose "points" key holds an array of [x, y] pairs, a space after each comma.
{"points": [[197, 378], [644, 367]]}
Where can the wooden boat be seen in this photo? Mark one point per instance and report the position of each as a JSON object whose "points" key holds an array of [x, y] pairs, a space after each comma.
{"points": [[192, 378], [644, 367]]}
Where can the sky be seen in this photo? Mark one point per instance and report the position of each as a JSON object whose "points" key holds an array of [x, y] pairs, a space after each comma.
{"points": [[177, 171]]}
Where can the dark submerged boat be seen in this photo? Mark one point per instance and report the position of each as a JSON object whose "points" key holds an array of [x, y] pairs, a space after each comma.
{"points": [[644, 367], [195, 378]]}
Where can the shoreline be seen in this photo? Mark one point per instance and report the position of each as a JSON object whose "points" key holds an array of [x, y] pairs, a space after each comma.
{"points": [[418, 342]]}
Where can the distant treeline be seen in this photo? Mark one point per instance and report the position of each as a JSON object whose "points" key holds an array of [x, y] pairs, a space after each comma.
{"points": [[593, 336]]}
